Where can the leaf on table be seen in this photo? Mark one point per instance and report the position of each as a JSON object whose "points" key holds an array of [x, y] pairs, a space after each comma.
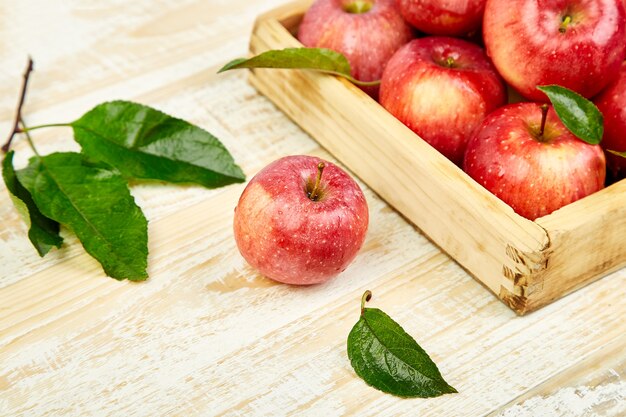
{"points": [[42, 231], [318, 59], [145, 143], [96, 204], [389, 359], [579, 115]]}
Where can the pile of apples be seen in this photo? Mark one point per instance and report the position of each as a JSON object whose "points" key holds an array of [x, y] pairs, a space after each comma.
{"points": [[475, 99]]}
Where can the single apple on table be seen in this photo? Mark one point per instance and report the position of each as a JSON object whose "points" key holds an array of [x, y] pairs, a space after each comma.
{"points": [[612, 103], [367, 32], [524, 155], [301, 220], [577, 44], [443, 17], [441, 88]]}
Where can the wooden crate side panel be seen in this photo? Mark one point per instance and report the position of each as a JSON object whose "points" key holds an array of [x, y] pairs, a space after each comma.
{"points": [[478, 230], [589, 241]]}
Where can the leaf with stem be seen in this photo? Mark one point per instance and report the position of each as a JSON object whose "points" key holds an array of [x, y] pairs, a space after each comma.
{"points": [[144, 143], [389, 359], [579, 115], [318, 59]]}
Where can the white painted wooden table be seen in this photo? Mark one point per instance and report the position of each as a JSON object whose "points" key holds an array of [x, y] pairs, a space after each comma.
{"points": [[206, 335]]}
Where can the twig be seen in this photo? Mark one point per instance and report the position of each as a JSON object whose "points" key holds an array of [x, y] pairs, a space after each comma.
{"points": [[18, 114]]}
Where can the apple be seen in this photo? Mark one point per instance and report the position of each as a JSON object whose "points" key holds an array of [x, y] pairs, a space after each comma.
{"points": [[301, 220], [612, 104], [443, 17], [441, 88], [367, 32], [578, 44], [524, 155]]}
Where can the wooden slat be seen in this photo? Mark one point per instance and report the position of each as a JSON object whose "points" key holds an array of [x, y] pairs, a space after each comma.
{"points": [[587, 240], [594, 384]]}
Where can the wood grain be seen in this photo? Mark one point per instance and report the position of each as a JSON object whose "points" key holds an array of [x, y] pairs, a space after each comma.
{"points": [[593, 387], [206, 335]]}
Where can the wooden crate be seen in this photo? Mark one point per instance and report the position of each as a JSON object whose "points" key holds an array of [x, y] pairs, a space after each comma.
{"points": [[527, 264]]}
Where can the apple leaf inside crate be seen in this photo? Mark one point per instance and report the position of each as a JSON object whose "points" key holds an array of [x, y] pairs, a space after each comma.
{"points": [[579, 115], [318, 59]]}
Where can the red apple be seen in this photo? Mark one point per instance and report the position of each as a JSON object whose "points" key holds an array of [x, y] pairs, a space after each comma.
{"points": [[612, 104], [367, 32], [578, 44], [301, 220], [441, 88], [443, 17], [533, 172]]}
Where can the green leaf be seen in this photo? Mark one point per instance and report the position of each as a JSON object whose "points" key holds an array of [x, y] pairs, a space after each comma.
{"points": [[96, 204], [318, 59], [42, 232], [144, 143], [579, 115], [390, 360]]}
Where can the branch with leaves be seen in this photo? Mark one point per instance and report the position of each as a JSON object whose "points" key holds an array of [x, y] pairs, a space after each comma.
{"points": [[88, 192]]}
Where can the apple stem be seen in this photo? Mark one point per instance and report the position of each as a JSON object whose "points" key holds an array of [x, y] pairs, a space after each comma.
{"points": [[367, 295], [313, 194], [447, 62], [358, 7], [544, 116], [565, 23]]}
